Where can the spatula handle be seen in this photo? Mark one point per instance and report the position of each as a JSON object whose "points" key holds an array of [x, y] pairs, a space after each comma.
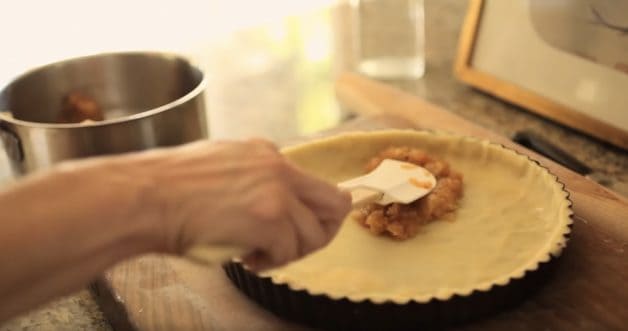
{"points": [[363, 196]]}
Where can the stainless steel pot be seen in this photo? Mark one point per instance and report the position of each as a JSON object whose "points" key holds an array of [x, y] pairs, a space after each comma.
{"points": [[148, 100]]}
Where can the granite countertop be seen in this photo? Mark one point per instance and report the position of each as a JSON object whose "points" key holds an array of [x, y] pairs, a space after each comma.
{"points": [[75, 312], [443, 21]]}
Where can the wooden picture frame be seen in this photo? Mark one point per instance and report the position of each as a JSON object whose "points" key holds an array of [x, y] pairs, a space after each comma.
{"points": [[512, 92]]}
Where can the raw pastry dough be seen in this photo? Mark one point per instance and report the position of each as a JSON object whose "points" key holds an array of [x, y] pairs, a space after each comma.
{"points": [[514, 215]]}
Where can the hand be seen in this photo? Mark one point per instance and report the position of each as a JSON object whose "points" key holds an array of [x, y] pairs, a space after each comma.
{"points": [[90, 214], [245, 194]]}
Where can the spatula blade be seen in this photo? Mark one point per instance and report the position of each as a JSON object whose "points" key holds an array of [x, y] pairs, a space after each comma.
{"points": [[399, 181]]}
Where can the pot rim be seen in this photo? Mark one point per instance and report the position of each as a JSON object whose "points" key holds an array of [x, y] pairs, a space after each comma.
{"points": [[197, 90]]}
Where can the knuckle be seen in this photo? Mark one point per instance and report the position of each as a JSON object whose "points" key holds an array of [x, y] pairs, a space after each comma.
{"points": [[263, 142], [282, 249], [324, 239], [344, 199], [287, 253], [314, 246], [275, 164], [327, 236], [341, 207], [270, 208], [331, 228]]}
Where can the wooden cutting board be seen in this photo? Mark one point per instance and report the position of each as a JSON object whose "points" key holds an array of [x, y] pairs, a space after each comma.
{"points": [[589, 290]]}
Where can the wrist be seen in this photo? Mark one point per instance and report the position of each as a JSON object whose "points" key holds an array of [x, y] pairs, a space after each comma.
{"points": [[145, 201], [110, 192]]}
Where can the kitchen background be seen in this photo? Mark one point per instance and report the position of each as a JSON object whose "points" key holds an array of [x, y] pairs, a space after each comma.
{"points": [[269, 65], [268, 62]]}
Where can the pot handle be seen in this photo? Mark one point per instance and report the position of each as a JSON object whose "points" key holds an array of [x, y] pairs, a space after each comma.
{"points": [[12, 146], [11, 143]]}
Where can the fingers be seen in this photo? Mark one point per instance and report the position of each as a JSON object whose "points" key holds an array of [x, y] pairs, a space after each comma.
{"points": [[316, 210], [271, 205], [308, 234], [310, 231], [327, 200]]}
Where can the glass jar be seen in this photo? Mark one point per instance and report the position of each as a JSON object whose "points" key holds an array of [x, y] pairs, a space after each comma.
{"points": [[389, 38]]}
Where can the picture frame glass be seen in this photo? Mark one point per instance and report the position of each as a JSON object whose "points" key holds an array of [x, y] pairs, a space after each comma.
{"points": [[573, 52]]}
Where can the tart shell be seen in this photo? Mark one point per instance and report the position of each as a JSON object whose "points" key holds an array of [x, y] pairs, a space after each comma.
{"points": [[322, 312], [290, 299]]}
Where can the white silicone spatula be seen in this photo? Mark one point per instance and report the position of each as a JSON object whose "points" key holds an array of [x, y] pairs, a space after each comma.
{"points": [[392, 181]]}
